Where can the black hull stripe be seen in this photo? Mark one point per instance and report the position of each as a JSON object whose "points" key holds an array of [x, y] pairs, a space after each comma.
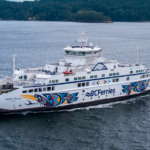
{"points": [[79, 105]]}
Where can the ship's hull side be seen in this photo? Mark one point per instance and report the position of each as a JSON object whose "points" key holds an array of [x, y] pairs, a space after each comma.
{"points": [[78, 105], [71, 98]]}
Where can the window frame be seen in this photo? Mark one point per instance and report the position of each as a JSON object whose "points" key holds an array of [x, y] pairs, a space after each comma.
{"points": [[79, 84], [49, 88], [53, 88], [67, 79], [113, 80], [75, 78], [83, 83], [87, 83], [91, 77], [30, 91], [103, 75]]}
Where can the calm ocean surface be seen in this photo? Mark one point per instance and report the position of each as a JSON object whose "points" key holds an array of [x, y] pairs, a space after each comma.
{"points": [[121, 126]]}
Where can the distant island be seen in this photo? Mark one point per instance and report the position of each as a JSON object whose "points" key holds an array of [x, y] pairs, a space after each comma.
{"points": [[77, 10]]}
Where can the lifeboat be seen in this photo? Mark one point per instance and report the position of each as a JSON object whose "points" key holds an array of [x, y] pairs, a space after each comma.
{"points": [[66, 72]]}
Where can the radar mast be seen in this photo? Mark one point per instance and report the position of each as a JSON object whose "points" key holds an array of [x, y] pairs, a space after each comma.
{"points": [[82, 39]]}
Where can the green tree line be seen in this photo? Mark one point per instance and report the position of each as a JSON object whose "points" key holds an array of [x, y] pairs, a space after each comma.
{"points": [[77, 10]]}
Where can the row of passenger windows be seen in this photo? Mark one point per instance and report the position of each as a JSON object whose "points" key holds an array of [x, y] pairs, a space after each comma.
{"points": [[40, 89], [95, 76], [138, 71], [83, 84], [79, 84], [79, 78], [53, 81], [114, 74], [23, 77], [115, 80], [145, 76]]}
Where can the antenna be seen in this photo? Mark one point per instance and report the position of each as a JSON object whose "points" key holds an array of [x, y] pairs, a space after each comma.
{"points": [[82, 38], [14, 65]]}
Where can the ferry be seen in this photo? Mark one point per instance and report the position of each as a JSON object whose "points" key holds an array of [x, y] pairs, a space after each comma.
{"points": [[84, 78]]}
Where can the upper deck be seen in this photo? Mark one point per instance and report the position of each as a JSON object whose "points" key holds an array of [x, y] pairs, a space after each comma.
{"points": [[80, 60]]}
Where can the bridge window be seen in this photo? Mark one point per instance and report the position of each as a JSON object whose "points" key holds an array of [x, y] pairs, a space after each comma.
{"points": [[83, 53], [79, 53], [89, 52], [74, 53], [110, 74]]}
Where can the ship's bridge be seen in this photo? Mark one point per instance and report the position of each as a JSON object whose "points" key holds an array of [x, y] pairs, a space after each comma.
{"points": [[83, 54]]}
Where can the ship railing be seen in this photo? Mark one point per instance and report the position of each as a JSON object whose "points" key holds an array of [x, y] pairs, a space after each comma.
{"points": [[4, 80], [55, 64], [128, 65], [80, 46], [23, 83], [32, 71]]}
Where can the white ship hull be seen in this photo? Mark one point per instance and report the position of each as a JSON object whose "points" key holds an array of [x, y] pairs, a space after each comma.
{"points": [[71, 98]]}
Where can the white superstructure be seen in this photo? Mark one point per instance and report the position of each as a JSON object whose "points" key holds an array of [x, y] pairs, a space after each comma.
{"points": [[83, 78]]}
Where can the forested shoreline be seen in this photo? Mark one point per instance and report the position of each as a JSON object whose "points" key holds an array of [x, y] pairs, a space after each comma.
{"points": [[77, 10]]}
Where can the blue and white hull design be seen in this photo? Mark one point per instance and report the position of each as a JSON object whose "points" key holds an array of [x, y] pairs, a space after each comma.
{"points": [[84, 78], [83, 97]]}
